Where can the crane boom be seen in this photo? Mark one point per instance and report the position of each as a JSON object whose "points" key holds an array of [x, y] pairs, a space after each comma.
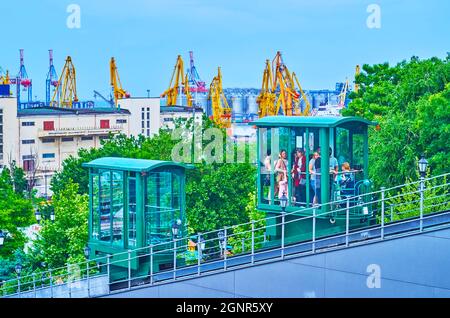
{"points": [[66, 93], [116, 85]]}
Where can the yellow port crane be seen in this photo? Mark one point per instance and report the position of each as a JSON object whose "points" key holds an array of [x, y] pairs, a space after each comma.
{"points": [[66, 90], [267, 97], [357, 72], [279, 89], [175, 88], [4, 80], [116, 85], [220, 108]]}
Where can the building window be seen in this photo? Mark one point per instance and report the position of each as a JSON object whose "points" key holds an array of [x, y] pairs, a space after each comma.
{"points": [[28, 123], [27, 141], [148, 123], [87, 138], [27, 157], [49, 125], [28, 165], [142, 114], [48, 140], [121, 121], [104, 123], [148, 115], [48, 155], [66, 139], [148, 132], [103, 137]]}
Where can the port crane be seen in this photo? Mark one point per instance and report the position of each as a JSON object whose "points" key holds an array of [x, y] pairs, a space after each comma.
{"points": [[220, 108], [195, 83], [66, 92], [175, 88], [281, 88], [357, 72], [109, 101], [52, 78], [116, 85]]}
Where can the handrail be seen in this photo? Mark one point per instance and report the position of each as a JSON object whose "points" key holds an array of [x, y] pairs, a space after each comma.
{"points": [[245, 232]]}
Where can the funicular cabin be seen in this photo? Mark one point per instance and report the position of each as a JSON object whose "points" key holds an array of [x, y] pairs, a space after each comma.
{"points": [[135, 203], [313, 165]]}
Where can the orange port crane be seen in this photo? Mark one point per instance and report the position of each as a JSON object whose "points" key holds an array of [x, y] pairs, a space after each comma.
{"points": [[116, 85], [281, 88], [66, 90], [220, 108], [175, 88]]}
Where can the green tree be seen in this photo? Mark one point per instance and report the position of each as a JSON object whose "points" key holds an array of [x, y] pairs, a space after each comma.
{"points": [[15, 212], [410, 101], [63, 241]]}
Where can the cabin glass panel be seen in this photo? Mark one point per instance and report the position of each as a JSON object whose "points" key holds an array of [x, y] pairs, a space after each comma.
{"points": [[162, 206], [105, 205], [117, 207], [132, 210], [95, 207]]}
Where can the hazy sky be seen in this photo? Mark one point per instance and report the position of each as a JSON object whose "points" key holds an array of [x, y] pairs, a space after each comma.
{"points": [[321, 40]]}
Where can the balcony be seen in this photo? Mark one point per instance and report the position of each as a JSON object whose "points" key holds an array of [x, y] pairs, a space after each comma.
{"points": [[79, 131]]}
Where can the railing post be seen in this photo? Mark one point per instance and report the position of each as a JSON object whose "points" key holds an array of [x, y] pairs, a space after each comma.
{"points": [[282, 234], [347, 221], [243, 244], [51, 282], [253, 241], [392, 212], [174, 258], [18, 286], [225, 246], [34, 284], [199, 253], [129, 269], [108, 270], [88, 280], [382, 211], [314, 231], [69, 284], [422, 180], [151, 264]]}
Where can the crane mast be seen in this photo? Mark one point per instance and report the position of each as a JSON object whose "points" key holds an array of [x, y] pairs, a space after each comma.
{"points": [[220, 108], [175, 88]]}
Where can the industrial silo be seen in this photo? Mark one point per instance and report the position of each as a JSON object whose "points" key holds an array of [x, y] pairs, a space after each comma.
{"points": [[252, 106], [237, 105]]}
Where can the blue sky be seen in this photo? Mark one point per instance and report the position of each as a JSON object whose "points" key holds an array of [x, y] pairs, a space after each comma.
{"points": [[321, 40]]}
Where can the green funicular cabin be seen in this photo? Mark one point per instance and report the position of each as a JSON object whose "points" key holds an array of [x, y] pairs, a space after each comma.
{"points": [[313, 190], [135, 203]]}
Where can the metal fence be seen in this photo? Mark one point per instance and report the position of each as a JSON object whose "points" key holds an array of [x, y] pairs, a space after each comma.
{"points": [[399, 210]]}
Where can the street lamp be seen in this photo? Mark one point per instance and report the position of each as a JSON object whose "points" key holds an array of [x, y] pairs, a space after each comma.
{"points": [[2, 238], [176, 227], [52, 216], [38, 216], [423, 164], [283, 201], [18, 269], [87, 251]]}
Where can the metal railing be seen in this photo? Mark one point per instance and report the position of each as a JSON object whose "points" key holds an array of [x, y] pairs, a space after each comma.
{"points": [[386, 213]]}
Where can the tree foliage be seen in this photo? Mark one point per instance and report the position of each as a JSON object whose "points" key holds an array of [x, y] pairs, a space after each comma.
{"points": [[16, 211], [63, 241], [410, 101]]}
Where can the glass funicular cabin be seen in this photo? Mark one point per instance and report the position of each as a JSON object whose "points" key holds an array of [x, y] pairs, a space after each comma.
{"points": [[135, 203], [331, 173]]}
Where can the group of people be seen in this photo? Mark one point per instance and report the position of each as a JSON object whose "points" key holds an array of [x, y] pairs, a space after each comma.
{"points": [[345, 179]]}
